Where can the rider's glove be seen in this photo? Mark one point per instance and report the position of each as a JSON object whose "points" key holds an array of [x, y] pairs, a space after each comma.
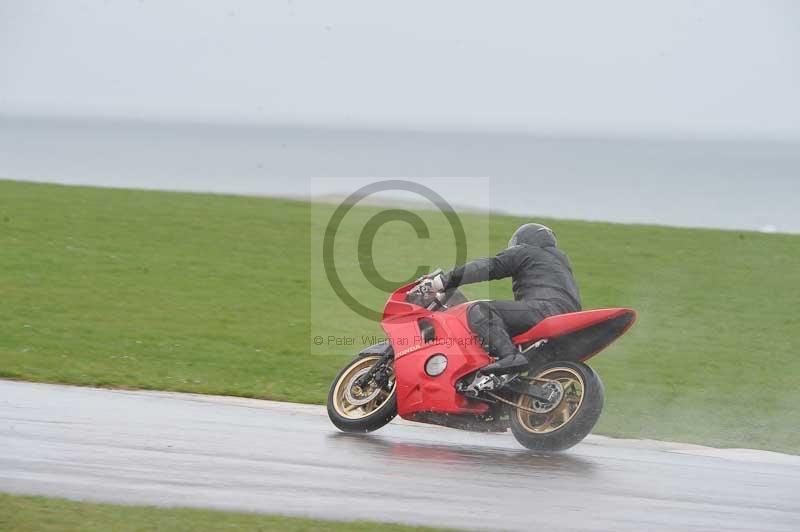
{"points": [[439, 282]]}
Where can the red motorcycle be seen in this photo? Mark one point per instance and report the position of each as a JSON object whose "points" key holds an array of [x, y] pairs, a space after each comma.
{"points": [[428, 371]]}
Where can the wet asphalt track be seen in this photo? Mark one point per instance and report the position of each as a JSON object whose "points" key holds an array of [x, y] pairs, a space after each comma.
{"points": [[238, 454]]}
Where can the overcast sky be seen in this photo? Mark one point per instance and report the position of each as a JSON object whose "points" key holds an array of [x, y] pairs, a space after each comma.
{"points": [[674, 67]]}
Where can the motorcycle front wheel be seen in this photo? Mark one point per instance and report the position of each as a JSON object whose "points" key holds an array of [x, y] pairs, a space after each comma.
{"points": [[355, 409], [568, 419]]}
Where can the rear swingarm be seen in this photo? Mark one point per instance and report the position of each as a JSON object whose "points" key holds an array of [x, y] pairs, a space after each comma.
{"points": [[491, 383], [540, 393]]}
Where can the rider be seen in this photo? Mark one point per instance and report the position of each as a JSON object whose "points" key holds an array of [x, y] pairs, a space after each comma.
{"points": [[543, 286]]}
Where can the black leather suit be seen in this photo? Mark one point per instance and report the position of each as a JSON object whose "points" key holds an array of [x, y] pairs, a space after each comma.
{"points": [[542, 281]]}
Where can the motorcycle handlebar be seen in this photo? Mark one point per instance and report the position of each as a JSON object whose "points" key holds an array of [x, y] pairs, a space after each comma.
{"points": [[424, 288]]}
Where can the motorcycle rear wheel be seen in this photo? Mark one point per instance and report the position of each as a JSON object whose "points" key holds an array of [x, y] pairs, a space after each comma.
{"points": [[560, 425], [352, 409]]}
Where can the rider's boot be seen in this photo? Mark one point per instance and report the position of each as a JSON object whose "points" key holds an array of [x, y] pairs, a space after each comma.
{"points": [[515, 363], [496, 340]]}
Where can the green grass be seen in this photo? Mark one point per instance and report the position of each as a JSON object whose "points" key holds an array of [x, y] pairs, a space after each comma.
{"points": [[212, 294], [40, 514]]}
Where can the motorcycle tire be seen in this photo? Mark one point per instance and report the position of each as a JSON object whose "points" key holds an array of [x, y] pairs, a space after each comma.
{"points": [[559, 425], [368, 417]]}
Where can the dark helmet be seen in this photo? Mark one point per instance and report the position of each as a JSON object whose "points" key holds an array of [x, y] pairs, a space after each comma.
{"points": [[533, 235]]}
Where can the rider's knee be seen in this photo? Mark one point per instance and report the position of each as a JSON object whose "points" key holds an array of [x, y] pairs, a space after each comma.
{"points": [[479, 313]]}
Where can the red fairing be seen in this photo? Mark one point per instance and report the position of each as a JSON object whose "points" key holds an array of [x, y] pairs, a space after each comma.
{"points": [[562, 324], [416, 390], [581, 335], [575, 336], [397, 306]]}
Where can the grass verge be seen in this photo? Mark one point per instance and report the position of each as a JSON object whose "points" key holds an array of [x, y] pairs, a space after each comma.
{"points": [[41, 514], [224, 295]]}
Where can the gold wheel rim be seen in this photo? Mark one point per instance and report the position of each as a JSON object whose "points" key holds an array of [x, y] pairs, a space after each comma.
{"points": [[345, 390], [573, 386]]}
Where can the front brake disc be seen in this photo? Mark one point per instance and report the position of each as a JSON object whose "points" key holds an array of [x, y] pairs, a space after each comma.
{"points": [[363, 398]]}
